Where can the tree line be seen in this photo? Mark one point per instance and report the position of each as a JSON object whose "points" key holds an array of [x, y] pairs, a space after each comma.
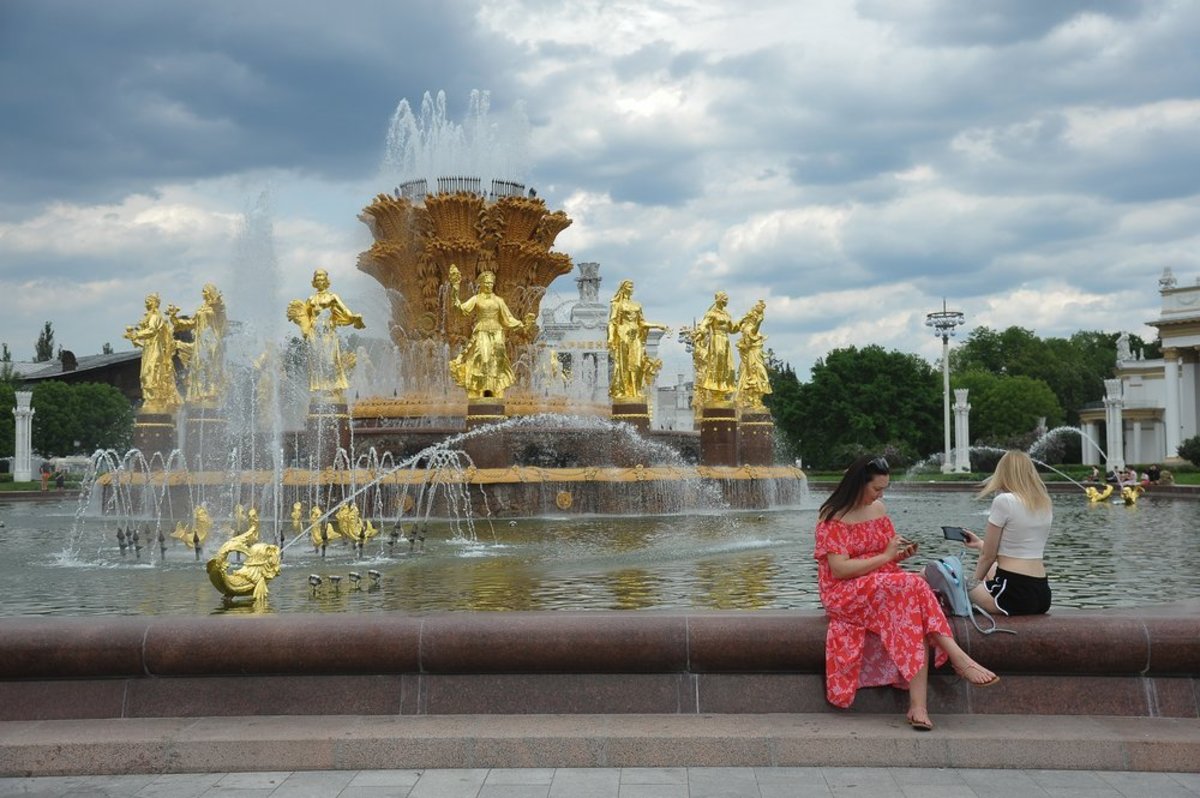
{"points": [[861, 400], [69, 418], [857, 400]]}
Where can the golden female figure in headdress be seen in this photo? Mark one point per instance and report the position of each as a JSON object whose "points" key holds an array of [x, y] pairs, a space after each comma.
{"points": [[318, 317]]}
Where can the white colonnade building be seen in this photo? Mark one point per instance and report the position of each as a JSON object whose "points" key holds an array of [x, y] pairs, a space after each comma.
{"points": [[1153, 403]]}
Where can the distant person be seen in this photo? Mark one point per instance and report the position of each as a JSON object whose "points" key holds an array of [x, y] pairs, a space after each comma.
{"points": [[1153, 473], [1095, 475], [45, 474], [1011, 574], [865, 592], [60, 480]]}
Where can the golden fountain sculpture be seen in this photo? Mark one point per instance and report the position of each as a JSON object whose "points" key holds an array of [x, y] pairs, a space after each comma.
{"points": [[261, 564], [718, 384], [155, 336], [318, 318], [483, 367], [418, 239], [753, 382], [632, 369], [204, 356], [194, 536]]}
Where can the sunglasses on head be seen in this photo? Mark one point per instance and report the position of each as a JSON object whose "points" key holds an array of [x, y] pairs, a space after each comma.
{"points": [[879, 465]]}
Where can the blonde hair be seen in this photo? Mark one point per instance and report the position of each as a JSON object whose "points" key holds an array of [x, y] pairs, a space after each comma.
{"points": [[1016, 474]]}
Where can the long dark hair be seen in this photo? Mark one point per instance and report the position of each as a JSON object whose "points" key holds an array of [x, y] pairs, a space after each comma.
{"points": [[847, 492]]}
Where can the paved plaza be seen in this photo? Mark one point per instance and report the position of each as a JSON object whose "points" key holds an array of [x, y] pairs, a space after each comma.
{"points": [[696, 782]]}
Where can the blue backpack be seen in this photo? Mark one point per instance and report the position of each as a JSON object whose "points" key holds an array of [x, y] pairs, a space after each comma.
{"points": [[945, 576]]}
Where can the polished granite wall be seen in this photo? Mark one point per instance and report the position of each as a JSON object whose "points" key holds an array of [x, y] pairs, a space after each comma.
{"points": [[1139, 662]]}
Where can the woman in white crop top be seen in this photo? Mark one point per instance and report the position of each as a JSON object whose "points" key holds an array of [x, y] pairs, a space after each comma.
{"points": [[1012, 578]]}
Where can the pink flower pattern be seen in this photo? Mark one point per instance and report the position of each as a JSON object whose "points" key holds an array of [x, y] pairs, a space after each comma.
{"points": [[879, 622]]}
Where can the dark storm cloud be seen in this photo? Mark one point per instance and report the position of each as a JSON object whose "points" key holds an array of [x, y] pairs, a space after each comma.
{"points": [[103, 99], [641, 169]]}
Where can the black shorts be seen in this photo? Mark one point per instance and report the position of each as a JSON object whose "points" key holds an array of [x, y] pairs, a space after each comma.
{"points": [[1018, 594]]}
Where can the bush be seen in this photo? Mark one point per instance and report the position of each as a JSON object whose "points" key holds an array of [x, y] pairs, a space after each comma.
{"points": [[1190, 450]]}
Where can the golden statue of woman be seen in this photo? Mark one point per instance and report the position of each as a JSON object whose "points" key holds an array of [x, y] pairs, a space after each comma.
{"points": [[632, 369], [753, 382], [156, 338], [318, 317], [206, 381], [717, 379], [483, 367]]}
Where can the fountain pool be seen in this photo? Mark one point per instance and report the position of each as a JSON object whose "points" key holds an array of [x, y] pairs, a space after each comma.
{"points": [[1101, 555]]}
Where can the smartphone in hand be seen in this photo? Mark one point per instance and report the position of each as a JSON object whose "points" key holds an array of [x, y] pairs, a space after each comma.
{"points": [[954, 533]]}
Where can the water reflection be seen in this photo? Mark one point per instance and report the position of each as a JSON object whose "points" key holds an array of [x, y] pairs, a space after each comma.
{"points": [[1100, 555]]}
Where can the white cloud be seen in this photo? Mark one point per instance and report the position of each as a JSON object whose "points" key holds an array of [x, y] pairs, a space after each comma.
{"points": [[849, 163]]}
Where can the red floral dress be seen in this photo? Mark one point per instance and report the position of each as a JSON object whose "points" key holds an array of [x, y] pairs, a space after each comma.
{"points": [[896, 606]]}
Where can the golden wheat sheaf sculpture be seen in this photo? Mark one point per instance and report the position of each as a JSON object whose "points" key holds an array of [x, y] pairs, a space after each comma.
{"points": [[416, 243]]}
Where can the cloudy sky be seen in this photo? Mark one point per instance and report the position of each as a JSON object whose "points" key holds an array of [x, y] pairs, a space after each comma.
{"points": [[852, 163]]}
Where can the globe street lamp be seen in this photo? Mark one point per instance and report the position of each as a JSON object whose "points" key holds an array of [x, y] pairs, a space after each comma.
{"points": [[944, 323]]}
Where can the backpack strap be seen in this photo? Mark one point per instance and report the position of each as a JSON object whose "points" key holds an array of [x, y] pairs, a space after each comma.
{"points": [[993, 628]]}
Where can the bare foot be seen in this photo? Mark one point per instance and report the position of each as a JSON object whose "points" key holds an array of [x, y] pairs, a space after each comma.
{"points": [[976, 674], [918, 718]]}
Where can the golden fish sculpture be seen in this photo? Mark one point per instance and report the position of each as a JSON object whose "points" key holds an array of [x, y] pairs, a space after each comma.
{"points": [[261, 563]]}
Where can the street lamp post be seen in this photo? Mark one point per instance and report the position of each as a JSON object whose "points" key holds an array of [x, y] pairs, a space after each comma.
{"points": [[944, 323]]}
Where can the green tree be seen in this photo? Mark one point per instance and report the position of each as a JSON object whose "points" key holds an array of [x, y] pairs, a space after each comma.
{"points": [[1005, 408], [55, 425], [8, 401], [1190, 450], [1074, 368], [867, 400], [44, 349], [784, 402], [105, 418], [78, 419]]}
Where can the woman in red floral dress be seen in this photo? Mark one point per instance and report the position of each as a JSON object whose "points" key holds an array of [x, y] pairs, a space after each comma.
{"points": [[882, 619]]}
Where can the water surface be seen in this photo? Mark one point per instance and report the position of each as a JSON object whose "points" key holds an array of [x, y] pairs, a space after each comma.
{"points": [[1100, 555]]}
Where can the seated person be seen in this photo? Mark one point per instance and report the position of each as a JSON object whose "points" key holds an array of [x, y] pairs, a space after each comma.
{"points": [[1153, 473], [1012, 578], [884, 622]]}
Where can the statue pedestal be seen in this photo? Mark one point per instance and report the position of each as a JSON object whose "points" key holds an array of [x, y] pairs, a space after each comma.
{"points": [[718, 435], [205, 441], [489, 449], [326, 429], [154, 433], [633, 412], [756, 438]]}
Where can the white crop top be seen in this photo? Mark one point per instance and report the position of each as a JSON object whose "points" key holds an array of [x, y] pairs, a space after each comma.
{"points": [[1025, 531]]}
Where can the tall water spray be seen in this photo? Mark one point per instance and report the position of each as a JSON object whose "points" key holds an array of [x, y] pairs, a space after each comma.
{"points": [[428, 145]]}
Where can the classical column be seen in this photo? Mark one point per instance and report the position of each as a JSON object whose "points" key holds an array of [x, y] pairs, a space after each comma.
{"points": [[962, 431], [1187, 393], [1091, 449], [1171, 407], [23, 449], [1136, 455], [1114, 421]]}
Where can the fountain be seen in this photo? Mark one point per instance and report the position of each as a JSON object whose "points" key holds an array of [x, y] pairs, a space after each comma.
{"points": [[452, 416], [399, 493]]}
